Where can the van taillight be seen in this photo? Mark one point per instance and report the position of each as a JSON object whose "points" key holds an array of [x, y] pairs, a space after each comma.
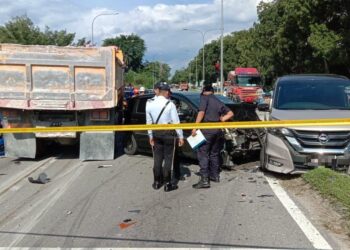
{"points": [[99, 115]]}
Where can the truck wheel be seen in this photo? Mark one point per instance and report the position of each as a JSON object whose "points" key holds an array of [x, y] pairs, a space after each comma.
{"points": [[130, 145]]}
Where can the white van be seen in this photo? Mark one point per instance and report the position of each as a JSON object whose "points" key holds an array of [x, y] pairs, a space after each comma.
{"points": [[296, 150]]}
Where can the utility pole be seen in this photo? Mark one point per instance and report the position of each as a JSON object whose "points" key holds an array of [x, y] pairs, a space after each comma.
{"points": [[222, 49], [203, 33]]}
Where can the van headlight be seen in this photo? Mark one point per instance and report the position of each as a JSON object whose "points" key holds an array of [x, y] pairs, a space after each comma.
{"points": [[288, 135], [281, 132]]}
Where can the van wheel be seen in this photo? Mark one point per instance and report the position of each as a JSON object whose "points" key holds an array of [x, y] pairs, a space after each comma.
{"points": [[130, 145], [263, 158]]}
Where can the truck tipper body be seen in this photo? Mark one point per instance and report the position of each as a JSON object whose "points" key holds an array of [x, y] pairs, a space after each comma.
{"points": [[244, 84], [48, 86]]}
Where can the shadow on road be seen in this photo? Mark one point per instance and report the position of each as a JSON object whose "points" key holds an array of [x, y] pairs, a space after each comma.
{"points": [[171, 243]]}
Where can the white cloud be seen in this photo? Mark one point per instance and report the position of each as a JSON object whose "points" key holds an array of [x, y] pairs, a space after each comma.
{"points": [[160, 25]]}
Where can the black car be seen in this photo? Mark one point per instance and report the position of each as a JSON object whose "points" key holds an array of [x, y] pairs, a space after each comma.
{"points": [[187, 104]]}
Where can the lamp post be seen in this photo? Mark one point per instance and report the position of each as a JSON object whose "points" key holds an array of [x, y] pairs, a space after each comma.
{"points": [[222, 49], [196, 73], [203, 33], [93, 20]]}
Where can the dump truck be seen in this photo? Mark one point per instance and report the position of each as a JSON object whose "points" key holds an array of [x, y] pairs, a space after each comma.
{"points": [[244, 84], [50, 86]]}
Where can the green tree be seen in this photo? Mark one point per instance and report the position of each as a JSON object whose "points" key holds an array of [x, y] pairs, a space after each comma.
{"points": [[82, 42], [133, 47], [21, 30], [160, 70], [326, 43], [180, 76]]}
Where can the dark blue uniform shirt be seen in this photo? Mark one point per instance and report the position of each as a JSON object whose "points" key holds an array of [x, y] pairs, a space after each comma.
{"points": [[212, 107]]}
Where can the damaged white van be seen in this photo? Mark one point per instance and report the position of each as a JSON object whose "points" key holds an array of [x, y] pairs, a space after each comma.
{"points": [[296, 150]]}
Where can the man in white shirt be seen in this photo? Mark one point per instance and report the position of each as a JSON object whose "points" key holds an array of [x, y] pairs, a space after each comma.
{"points": [[161, 110]]}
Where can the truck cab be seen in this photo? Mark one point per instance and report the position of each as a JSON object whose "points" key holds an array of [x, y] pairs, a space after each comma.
{"points": [[246, 84]]}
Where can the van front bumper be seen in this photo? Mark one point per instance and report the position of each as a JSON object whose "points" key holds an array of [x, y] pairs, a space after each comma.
{"points": [[283, 158]]}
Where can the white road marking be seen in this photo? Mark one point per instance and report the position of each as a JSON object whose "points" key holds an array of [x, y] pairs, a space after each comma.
{"points": [[305, 225], [47, 202], [25, 173]]}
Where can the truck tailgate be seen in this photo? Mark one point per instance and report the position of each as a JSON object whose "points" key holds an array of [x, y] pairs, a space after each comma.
{"points": [[59, 78]]}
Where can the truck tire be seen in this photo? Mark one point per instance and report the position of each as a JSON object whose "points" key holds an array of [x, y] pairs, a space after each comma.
{"points": [[130, 147]]}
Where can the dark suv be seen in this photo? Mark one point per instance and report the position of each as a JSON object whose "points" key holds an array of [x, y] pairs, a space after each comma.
{"points": [[187, 104]]}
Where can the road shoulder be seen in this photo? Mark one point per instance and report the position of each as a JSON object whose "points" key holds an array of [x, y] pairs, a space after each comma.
{"points": [[322, 213]]}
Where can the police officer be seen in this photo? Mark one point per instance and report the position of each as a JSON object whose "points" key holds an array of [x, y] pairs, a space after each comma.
{"points": [[161, 110], [210, 110]]}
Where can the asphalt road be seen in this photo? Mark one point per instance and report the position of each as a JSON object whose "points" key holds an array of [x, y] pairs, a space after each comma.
{"points": [[112, 204]]}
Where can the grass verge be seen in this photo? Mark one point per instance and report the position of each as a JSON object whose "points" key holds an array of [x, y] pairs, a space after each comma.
{"points": [[331, 184]]}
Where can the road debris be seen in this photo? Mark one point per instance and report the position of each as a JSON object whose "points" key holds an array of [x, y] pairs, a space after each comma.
{"points": [[104, 166], [265, 196], [42, 179], [126, 223], [229, 180], [137, 211]]}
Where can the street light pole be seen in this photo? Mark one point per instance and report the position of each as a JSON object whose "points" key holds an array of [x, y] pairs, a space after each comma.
{"points": [[203, 33], [222, 49], [196, 72], [92, 24]]}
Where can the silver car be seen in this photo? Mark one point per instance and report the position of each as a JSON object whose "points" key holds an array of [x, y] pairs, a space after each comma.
{"points": [[297, 149]]}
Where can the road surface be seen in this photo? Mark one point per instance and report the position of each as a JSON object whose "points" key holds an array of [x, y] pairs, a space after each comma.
{"points": [[112, 204]]}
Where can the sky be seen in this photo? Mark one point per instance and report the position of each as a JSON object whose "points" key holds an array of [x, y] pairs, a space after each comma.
{"points": [[159, 22]]}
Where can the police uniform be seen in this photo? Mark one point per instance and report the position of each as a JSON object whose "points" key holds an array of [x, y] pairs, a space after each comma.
{"points": [[209, 153], [164, 141]]}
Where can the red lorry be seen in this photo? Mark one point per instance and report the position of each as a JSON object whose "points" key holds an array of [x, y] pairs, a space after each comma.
{"points": [[244, 85]]}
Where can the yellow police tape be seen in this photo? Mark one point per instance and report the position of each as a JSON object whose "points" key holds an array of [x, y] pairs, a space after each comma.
{"points": [[213, 125]]}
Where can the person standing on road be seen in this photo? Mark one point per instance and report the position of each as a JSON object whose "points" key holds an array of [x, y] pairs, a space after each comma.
{"points": [[210, 110], [161, 110]]}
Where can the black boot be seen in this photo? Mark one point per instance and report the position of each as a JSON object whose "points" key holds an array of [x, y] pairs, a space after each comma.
{"points": [[203, 183], [158, 183], [170, 187], [215, 179]]}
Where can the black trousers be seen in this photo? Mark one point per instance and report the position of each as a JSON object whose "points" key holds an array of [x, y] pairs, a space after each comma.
{"points": [[163, 150], [176, 164], [209, 153]]}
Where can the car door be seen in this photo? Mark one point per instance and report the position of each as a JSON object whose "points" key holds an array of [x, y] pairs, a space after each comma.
{"points": [[139, 117], [186, 114]]}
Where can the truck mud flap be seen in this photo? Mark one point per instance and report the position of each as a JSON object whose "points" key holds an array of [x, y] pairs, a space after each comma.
{"points": [[20, 145], [97, 146]]}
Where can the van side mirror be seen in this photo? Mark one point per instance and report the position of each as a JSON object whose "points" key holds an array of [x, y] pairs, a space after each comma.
{"points": [[263, 107]]}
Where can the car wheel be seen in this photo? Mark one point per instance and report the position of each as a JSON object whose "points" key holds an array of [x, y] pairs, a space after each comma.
{"points": [[130, 145]]}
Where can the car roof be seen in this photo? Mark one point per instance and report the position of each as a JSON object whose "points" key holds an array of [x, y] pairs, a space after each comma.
{"points": [[316, 77], [191, 96]]}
